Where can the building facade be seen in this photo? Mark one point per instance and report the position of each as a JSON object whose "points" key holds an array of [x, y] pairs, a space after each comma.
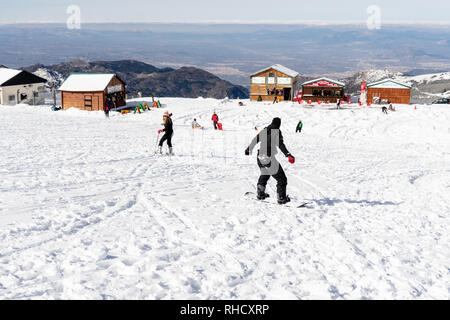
{"points": [[93, 92], [17, 86], [324, 90], [388, 91], [273, 82]]}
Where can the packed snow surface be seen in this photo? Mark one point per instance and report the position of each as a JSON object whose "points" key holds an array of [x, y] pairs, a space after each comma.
{"points": [[88, 211]]}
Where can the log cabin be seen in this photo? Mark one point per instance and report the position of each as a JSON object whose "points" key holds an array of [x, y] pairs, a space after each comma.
{"points": [[93, 92], [388, 91], [273, 82]]}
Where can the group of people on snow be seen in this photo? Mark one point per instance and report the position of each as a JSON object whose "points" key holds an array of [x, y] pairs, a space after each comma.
{"points": [[270, 140], [168, 129]]}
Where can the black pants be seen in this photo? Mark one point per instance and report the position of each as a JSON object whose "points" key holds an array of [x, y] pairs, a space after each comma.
{"points": [[299, 129], [215, 125], [268, 170], [166, 137]]}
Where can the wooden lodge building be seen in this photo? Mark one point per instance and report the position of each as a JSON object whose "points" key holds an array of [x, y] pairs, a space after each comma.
{"points": [[323, 89], [275, 81], [93, 92], [388, 91]]}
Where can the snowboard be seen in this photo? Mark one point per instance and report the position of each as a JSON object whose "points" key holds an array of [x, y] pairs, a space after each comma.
{"points": [[251, 196]]}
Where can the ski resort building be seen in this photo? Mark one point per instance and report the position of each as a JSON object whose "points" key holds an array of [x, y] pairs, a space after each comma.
{"points": [[275, 81], [388, 91], [93, 92], [323, 89], [18, 86]]}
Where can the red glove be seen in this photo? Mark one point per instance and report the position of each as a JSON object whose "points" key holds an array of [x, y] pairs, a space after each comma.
{"points": [[159, 131], [292, 159]]}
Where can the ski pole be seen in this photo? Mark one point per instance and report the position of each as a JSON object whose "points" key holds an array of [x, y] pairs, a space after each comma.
{"points": [[157, 140]]}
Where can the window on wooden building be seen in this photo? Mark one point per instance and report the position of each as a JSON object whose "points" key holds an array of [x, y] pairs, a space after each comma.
{"points": [[88, 101]]}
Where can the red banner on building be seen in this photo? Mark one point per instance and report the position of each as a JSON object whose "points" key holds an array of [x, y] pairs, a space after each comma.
{"points": [[363, 87]]}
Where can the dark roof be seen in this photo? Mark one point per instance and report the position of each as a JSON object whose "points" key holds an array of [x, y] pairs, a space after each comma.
{"points": [[22, 78]]}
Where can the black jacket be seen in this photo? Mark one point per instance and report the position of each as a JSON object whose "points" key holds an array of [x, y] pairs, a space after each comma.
{"points": [[270, 138], [168, 127]]}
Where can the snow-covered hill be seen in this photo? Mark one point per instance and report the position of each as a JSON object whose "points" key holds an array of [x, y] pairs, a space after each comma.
{"points": [[425, 78], [87, 211], [53, 77]]}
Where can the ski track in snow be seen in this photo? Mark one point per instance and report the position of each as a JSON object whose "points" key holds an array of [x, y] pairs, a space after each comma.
{"points": [[88, 211]]}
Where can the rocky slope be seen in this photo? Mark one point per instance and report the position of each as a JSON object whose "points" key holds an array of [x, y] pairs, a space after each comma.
{"points": [[186, 82]]}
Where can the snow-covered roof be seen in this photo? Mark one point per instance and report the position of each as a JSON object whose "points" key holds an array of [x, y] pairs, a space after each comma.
{"points": [[339, 83], [79, 82], [282, 69], [388, 84], [7, 74]]}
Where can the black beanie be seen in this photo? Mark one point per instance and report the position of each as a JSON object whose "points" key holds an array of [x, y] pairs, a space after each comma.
{"points": [[276, 123]]}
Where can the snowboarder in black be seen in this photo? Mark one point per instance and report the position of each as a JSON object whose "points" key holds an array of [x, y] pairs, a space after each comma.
{"points": [[168, 133], [271, 139]]}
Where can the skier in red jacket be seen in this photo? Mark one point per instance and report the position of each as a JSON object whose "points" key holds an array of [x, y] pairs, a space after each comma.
{"points": [[215, 120]]}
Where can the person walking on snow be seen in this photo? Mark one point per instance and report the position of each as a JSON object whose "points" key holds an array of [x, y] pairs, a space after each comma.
{"points": [[215, 120], [270, 139], [107, 109], [168, 133], [275, 100], [299, 127]]}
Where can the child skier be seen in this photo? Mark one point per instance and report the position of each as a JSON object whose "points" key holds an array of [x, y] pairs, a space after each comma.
{"points": [[107, 109], [196, 125], [299, 127], [215, 120], [168, 133], [271, 139]]}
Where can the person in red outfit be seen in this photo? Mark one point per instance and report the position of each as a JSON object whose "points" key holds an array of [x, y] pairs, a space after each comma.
{"points": [[215, 120]]}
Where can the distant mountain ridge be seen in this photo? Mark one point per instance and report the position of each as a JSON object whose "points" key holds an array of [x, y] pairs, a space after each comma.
{"points": [[186, 82]]}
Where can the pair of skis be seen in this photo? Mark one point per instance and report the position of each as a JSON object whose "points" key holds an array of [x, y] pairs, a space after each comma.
{"points": [[251, 196]]}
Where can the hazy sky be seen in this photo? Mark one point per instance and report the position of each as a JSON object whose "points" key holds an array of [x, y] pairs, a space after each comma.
{"points": [[225, 10]]}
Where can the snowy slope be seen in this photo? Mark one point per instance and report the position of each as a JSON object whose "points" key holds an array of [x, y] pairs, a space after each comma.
{"points": [[87, 212], [52, 77], [425, 78]]}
